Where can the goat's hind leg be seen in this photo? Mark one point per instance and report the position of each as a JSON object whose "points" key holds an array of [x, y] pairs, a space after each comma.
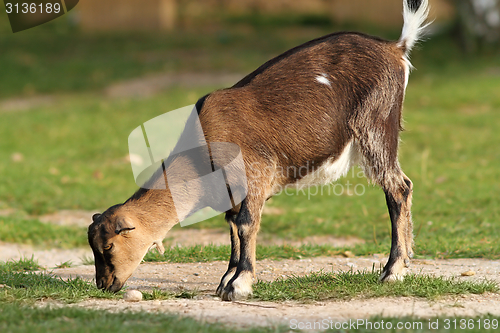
{"points": [[377, 139], [398, 199], [383, 168]]}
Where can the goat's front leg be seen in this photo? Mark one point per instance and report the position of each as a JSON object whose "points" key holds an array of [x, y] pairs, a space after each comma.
{"points": [[399, 205], [239, 286], [235, 254]]}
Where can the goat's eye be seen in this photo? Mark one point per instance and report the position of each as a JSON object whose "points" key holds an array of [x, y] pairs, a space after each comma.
{"points": [[108, 247]]}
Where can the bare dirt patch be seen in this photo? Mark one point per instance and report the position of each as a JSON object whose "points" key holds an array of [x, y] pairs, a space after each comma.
{"points": [[25, 103], [204, 277], [245, 314], [47, 258], [153, 84], [188, 236]]}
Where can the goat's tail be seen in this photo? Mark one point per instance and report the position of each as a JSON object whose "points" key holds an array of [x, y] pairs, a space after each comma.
{"points": [[415, 13]]}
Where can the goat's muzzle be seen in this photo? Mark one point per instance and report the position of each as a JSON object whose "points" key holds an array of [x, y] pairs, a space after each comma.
{"points": [[114, 285]]}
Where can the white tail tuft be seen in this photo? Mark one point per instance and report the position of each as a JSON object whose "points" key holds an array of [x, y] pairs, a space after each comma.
{"points": [[415, 13]]}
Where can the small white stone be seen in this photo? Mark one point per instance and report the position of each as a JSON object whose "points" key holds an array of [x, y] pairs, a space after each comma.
{"points": [[468, 273], [132, 296]]}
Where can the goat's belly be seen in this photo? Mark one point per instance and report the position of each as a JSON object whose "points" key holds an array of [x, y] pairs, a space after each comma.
{"points": [[332, 169]]}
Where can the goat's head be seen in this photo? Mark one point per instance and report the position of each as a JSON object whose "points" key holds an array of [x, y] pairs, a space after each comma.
{"points": [[119, 242]]}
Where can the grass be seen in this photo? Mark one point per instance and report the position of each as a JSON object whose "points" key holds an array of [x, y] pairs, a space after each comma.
{"points": [[207, 253], [20, 229], [15, 318], [80, 157], [323, 286], [66, 264], [56, 57], [26, 283], [21, 265], [23, 285], [157, 294]]}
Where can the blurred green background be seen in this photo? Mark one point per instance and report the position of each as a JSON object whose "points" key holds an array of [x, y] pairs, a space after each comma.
{"points": [[73, 89]]}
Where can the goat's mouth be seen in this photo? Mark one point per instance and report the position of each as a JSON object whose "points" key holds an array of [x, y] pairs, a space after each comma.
{"points": [[115, 285]]}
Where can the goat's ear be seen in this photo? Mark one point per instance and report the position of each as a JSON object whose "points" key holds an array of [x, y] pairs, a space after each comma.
{"points": [[96, 217], [123, 226]]}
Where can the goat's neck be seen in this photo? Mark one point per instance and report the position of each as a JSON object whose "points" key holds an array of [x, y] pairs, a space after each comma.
{"points": [[156, 209]]}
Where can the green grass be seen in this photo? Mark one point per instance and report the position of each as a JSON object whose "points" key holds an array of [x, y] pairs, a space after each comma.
{"points": [[21, 265], [80, 157], [27, 284], [23, 285], [323, 286], [19, 229], [66, 264], [15, 318], [56, 57], [206, 253]]}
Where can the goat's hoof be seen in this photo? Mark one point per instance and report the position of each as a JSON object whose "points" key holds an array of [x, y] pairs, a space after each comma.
{"points": [[390, 276], [219, 290], [232, 294], [395, 270], [224, 281], [239, 289]]}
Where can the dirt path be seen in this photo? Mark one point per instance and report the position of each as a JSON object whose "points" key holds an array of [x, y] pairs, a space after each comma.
{"points": [[246, 314], [204, 277]]}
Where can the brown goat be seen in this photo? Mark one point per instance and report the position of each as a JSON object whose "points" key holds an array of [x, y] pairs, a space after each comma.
{"points": [[320, 108]]}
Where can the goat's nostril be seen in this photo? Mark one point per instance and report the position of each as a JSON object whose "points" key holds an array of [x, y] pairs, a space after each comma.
{"points": [[100, 283]]}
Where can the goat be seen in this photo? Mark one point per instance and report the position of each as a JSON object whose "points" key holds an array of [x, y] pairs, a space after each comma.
{"points": [[320, 107]]}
